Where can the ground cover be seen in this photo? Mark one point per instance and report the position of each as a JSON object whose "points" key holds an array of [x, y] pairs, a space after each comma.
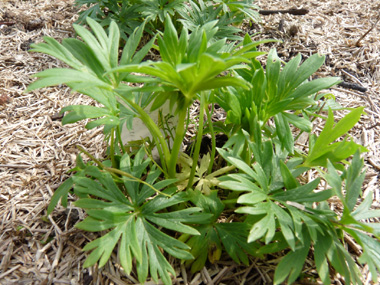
{"points": [[37, 151]]}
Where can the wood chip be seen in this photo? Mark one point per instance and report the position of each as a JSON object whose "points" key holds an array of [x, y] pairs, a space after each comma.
{"points": [[36, 151]]}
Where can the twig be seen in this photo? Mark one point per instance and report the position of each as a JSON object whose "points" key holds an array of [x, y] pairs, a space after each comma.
{"points": [[207, 276], [366, 33], [220, 274], [16, 165], [7, 23], [373, 163], [289, 11]]}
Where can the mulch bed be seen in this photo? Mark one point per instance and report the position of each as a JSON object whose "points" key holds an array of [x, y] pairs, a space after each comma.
{"points": [[36, 151]]}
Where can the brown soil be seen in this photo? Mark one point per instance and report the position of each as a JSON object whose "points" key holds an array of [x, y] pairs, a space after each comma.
{"points": [[36, 151]]}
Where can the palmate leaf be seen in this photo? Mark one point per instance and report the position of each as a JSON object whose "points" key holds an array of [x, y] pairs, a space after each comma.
{"points": [[56, 76], [80, 112], [63, 190], [132, 223], [234, 239], [207, 244], [199, 13], [363, 212], [324, 148], [215, 236], [354, 181], [193, 63], [291, 264], [136, 237], [371, 252], [284, 132]]}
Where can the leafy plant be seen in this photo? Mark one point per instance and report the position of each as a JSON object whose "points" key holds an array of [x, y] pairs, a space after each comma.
{"points": [[131, 14], [279, 91], [229, 16], [191, 64], [283, 216], [148, 211], [132, 222]]}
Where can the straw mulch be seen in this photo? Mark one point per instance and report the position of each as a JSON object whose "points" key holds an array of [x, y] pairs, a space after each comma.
{"points": [[36, 151]]}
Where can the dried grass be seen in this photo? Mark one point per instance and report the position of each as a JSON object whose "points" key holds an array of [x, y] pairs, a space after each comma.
{"points": [[36, 151]]}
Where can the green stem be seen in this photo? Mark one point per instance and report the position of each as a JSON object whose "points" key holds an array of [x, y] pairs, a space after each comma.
{"points": [[198, 141], [118, 135], [119, 172], [112, 148], [133, 178], [97, 161], [221, 171], [230, 201], [177, 144], [213, 140], [159, 139]]}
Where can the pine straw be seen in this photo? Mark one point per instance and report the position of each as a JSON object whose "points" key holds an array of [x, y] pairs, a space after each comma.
{"points": [[37, 151]]}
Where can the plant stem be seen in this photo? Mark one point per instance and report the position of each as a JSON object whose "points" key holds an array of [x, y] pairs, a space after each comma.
{"points": [[112, 148], [178, 139], [221, 171], [159, 139], [213, 140], [118, 135], [119, 172], [198, 142]]}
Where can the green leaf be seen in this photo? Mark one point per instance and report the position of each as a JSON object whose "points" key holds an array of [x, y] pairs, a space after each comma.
{"points": [[85, 55], [110, 121], [237, 162], [343, 263], [314, 86], [272, 74], [207, 244], [287, 76], [129, 247], [333, 178], [299, 122], [169, 43], [234, 239], [220, 82], [304, 193], [81, 112], [266, 226], [56, 76], [174, 220], [252, 198], [98, 47], [321, 248], [336, 152], [286, 225], [113, 44], [363, 212], [308, 67], [354, 181], [102, 246], [284, 133], [289, 181], [371, 253], [291, 264], [60, 194], [55, 49], [131, 226]]}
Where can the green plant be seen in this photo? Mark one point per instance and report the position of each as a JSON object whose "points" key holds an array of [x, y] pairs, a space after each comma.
{"points": [[229, 16], [180, 207], [192, 64], [131, 14]]}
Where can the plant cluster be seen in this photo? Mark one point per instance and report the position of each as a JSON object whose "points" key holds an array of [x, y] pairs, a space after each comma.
{"points": [[178, 206], [131, 14]]}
